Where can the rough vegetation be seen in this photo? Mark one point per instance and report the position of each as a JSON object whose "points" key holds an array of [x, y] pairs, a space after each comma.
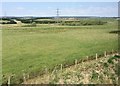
{"points": [[99, 71]]}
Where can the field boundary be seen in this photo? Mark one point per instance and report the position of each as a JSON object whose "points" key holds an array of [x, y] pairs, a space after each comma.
{"points": [[27, 76]]}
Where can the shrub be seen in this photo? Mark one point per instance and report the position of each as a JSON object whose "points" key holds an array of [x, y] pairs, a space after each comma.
{"points": [[33, 24]]}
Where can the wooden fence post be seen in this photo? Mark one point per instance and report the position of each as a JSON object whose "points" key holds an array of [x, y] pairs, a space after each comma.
{"points": [[96, 56], [98, 78], [82, 62], [112, 51], [9, 80], [61, 67], [105, 54], [87, 57], [46, 70], [24, 78], [47, 73], [76, 63], [28, 76]]}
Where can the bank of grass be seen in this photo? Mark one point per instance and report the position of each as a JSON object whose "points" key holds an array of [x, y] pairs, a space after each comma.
{"points": [[31, 49], [104, 70]]}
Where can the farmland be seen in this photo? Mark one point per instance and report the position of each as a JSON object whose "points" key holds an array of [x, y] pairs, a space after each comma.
{"points": [[31, 49]]}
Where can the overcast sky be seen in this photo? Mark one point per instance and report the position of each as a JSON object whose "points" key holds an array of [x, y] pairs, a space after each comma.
{"points": [[106, 9]]}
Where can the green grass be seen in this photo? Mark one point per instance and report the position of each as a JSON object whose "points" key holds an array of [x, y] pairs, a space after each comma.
{"points": [[0, 57], [33, 48]]}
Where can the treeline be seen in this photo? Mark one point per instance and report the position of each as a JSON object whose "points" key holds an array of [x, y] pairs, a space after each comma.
{"points": [[23, 20], [68, 22], [7, 21], [74, 22], [83, 22]]}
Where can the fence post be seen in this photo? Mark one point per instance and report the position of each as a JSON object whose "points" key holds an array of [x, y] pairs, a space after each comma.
{"points": [[98, 78], [9, 80], [28, 76], [47, 73], [61, 67], [82, 62], [105, 54], [112, 51], [87, 58], [24, 78], [96, 56], [76, 63], [46, 70]]}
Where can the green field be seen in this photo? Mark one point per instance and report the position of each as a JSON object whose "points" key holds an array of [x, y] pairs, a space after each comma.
{"points": [[31, 49]]}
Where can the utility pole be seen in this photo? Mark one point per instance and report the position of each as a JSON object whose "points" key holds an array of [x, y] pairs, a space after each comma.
{"points": [[5, 14], [57, 17], [57, 12]]}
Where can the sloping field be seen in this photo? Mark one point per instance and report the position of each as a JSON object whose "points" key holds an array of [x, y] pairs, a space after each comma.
{"points": [[30, 50]]}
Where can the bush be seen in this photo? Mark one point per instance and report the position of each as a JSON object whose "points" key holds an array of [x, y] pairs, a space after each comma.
{"points": [[9, 22], [83, 22], [33, 24]]}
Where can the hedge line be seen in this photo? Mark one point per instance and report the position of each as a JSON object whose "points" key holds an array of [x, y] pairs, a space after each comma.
{"points": [[60, 22], [10, 22]]}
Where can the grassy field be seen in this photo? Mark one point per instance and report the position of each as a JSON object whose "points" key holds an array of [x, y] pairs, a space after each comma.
{"points": [[31, 49], [0, 57]]}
